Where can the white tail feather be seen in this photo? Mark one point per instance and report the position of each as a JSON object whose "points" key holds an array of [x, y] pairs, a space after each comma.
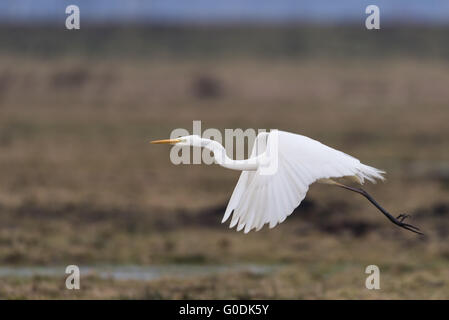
{"points": [[369, 173]]}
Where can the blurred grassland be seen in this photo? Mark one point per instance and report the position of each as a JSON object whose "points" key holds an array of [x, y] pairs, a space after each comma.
{"points": [[80, 183]]}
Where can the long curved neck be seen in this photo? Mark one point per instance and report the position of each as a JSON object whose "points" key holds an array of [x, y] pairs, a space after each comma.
{"points": [[223, 160]]}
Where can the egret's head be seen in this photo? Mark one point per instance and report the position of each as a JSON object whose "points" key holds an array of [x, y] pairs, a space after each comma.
{"points": [[193, 140]]}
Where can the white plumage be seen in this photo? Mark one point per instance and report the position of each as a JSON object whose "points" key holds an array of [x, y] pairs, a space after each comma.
{"points": [[260, 198], [269, 199]]}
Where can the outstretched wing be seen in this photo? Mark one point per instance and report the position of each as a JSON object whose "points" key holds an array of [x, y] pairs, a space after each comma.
{"points": [[262, 197]]}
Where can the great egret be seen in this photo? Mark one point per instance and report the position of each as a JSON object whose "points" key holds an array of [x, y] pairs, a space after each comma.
{"points": [[261, 198]]}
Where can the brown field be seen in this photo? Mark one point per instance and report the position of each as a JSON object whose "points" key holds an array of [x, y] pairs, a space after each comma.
{"points": [[81, 185]]}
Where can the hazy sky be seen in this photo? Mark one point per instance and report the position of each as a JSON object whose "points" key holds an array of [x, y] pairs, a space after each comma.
{"points": [[173, 11]]}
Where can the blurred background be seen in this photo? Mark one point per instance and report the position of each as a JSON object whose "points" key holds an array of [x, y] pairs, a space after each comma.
{"points": [[79, 183]]}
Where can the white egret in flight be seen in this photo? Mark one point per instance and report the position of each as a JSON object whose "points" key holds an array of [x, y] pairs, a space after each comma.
{"points": [[262, 197]]}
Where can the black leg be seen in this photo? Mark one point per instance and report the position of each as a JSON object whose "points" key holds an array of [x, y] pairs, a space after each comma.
{"points": [[397, 221]]}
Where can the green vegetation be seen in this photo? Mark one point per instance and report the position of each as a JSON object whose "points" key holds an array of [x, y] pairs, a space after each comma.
{"points": [[181, 42]]}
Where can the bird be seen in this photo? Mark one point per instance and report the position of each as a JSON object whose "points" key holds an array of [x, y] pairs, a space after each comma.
{"points": [[275, 179]]}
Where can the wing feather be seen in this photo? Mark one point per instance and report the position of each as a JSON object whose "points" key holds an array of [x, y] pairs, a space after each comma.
{"points": [[260, 199]]}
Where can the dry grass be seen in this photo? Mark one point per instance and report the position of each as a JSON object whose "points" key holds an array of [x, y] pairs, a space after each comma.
{"points": [[80, 184]]}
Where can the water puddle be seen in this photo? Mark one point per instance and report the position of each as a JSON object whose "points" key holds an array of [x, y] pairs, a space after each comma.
{"points": [[139, 272]]}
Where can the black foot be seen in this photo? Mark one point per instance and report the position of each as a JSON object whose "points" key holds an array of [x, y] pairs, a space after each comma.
{"points": [[399, 221], [402, 217]]}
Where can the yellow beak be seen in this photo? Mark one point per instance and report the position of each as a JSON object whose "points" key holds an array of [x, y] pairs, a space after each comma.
{"points": [[166, 141]]}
